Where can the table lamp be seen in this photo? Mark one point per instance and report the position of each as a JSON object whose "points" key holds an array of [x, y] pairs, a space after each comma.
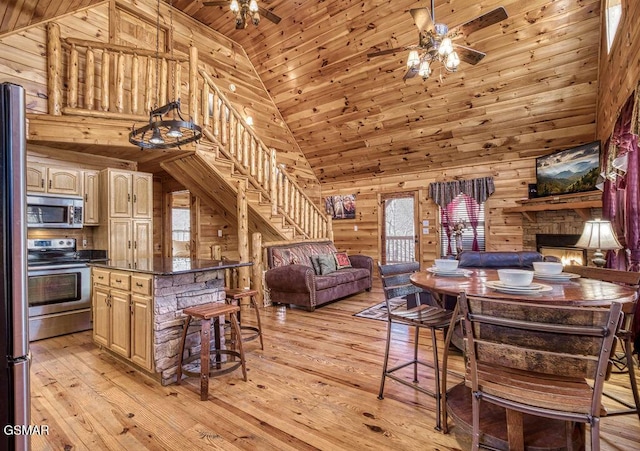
{"points": [[598, 235]]}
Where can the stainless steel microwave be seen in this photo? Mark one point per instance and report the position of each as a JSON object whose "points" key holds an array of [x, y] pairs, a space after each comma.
{"points": [[54, 212]]}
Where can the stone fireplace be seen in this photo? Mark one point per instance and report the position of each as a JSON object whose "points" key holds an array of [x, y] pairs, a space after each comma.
{"points": [[552, 225], [562, 247]]}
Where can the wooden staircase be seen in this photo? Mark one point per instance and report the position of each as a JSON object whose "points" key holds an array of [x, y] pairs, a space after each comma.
{"points": [[230, 161], [215, 180]]}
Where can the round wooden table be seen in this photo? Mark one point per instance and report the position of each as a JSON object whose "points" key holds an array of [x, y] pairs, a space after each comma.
{"points": [[541, 433], [580, 291]]}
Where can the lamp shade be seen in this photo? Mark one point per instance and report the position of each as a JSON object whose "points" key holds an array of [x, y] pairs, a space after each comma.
{"points": [[598, 234]]}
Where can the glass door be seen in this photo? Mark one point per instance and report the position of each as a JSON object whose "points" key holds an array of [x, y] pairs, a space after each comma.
{"points": [[399, 226]]}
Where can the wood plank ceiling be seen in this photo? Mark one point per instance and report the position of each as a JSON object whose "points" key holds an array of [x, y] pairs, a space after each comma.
{"points": [[355, 117]]}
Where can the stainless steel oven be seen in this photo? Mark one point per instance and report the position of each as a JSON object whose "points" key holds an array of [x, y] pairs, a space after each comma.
{"points": [[59, 290]]}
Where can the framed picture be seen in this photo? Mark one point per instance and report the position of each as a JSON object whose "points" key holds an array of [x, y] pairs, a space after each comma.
{"points": [[341, 207], [568, 171]]}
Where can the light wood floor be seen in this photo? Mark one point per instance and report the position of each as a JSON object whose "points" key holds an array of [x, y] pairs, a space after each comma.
{"points": [[313, 387]]}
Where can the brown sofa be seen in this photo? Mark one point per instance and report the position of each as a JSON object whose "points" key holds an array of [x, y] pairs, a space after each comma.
{"points": [[291, 278]]}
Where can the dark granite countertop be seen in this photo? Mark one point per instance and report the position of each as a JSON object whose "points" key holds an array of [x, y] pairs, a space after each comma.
{"points": [[170, 266]]}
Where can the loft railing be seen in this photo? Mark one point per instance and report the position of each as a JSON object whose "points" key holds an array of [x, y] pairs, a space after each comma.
{"points": [[98, 79], [237, 141]]}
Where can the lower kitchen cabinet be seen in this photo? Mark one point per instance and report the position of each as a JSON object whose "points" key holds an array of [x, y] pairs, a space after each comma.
{"points": [[123, 314]]}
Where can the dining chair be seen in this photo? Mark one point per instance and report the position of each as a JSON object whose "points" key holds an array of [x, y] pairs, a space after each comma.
{"points": [[397, 284], [538, 359], [626, 362]]}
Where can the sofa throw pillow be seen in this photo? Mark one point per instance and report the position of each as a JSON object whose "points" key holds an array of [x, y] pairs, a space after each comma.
{"points": [[327, 263], [315, 264], [281, 257], [342, 260]]}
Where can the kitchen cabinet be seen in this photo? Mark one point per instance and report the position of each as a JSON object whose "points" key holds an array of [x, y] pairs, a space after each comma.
{"points": [[123, 314], [126, 211], [91, 190], [53, 180]]}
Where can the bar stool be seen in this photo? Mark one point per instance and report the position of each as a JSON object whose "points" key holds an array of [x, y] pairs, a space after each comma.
{"points": [[233, 296], [208, 313]]}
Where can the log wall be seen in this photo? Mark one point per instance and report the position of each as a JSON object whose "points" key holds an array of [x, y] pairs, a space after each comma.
{"points": [[504, 232], [619, 69]]}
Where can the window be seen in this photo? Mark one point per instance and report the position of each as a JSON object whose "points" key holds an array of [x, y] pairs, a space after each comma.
{"points": [[458, 214], [613, 14]]}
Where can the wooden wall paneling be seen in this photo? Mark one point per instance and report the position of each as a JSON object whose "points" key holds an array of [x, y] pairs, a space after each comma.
{"points": [[619, 69], [502, 232]]}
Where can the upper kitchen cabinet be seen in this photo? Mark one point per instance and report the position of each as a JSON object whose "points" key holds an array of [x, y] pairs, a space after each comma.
{"points": [[130, 194], [53, 180]]}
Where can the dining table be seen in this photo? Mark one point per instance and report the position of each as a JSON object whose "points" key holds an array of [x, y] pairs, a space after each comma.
{"points": [[566, 289]]}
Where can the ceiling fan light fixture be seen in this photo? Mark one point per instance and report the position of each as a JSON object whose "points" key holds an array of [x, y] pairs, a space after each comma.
{"points": [[425, 69], [441, 29], [235, 6], [253, 6], [446, 46], [452, 62], [413, 60]]}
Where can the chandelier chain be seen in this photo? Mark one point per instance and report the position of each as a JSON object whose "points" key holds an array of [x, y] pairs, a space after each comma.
{"points": [[155, 105]]}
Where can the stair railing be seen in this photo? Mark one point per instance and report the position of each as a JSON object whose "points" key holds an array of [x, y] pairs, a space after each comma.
{"points": [[97, 79], [237, 141]]}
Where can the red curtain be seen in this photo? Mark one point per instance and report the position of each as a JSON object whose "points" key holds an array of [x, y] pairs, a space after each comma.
{"points": [[473, 211]]}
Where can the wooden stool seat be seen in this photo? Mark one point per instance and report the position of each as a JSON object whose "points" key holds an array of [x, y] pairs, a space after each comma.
{"points": [[208, 313], [232, 297]]}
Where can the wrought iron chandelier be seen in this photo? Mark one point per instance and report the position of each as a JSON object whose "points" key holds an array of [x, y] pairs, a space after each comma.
{"points": [[161, 133]]}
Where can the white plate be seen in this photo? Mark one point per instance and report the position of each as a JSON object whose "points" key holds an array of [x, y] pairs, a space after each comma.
{"points": [[457, 273], [534, 288], [561, 276]]}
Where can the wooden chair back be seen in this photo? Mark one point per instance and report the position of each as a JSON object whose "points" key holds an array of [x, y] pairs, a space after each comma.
{"points": [[543, 360], [606, 274], [395, 279], [566, 341]]}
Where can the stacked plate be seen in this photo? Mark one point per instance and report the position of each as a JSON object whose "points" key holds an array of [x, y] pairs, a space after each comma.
{"points": [[534, 288], [458, 272], [563, 276]]}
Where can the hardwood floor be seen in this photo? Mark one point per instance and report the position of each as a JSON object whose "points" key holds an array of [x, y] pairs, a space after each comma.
{"points": [[313, 387]]}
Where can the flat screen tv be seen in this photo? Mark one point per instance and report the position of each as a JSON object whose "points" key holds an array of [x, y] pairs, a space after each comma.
{"points": [[568, 171]]}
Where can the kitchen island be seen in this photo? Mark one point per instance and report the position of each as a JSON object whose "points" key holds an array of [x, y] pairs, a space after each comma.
{"points": [[137, 314]]}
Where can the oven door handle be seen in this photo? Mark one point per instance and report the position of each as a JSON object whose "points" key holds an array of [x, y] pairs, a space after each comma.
{"points": [[56, 267]]}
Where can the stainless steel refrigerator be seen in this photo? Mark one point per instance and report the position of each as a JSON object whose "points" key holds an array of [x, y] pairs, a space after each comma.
{"points": [[14, 311]]}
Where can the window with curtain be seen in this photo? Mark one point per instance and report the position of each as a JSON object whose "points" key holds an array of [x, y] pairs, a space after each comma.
{"points": [[462, 210]]}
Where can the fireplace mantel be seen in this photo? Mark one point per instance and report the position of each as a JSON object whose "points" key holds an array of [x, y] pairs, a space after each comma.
{"points": [[581, 203]]}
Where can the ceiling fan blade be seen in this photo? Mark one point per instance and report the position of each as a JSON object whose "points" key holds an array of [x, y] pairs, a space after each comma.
{"points": [[422, 18], [390, 51], [469, 55], [410, 74], [490, 18], [218, 3], [269, 15]]}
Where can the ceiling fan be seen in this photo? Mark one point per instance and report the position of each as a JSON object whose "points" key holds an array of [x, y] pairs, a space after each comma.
{"points": [[435, 42], [245, 10]]}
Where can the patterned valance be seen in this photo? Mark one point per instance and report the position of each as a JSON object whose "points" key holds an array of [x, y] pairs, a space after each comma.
{"points": [[479, 190]]}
